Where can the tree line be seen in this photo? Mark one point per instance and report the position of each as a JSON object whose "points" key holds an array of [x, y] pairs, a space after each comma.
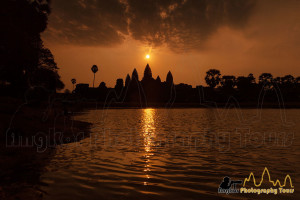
{"points": [[213, 78]]}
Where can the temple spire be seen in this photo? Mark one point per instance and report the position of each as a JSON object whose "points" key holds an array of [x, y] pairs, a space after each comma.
{"points": [[169, 79], [147, 73]]}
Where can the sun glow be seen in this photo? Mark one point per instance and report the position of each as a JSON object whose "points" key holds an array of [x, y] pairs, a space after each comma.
{"points": [[147, 56]]}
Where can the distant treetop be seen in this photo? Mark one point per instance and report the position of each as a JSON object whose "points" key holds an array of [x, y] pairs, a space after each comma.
{"points": [[212, 77]]}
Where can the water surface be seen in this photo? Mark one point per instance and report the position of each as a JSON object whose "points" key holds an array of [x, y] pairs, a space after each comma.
{"points": [[174, 153]]}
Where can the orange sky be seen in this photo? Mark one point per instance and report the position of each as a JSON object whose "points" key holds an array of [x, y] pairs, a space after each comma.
{"points": [[269, 42]]}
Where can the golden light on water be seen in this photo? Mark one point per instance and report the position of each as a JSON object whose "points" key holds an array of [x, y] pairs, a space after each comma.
{"points": [[148, 135], [148, 129]]}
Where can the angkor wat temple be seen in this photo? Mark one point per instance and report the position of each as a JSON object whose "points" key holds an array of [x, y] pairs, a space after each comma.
{"points": [[151, 90], [147, 89]]}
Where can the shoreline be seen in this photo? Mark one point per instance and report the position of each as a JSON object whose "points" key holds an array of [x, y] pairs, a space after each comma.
{"points": [[22, 165], [210, 105]]}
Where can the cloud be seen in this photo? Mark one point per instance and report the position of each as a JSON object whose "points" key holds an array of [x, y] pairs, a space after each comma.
{"points": [[185, 24], [182, 25], [87, 22]]}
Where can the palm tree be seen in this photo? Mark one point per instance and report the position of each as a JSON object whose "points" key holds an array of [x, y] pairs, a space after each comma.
{"points": [[94, 70], [73, 80]]}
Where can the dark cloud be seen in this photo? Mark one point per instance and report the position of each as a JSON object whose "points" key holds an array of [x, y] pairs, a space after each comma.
{"points": [[87, 22], [180, 24], [185, 24]]}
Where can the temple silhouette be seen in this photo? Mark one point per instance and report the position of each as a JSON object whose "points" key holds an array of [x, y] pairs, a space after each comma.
{"points": [[133, 89], [220, 89]]}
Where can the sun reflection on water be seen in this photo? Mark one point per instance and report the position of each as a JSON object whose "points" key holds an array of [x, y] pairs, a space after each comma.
{"points": [[148, 135]]}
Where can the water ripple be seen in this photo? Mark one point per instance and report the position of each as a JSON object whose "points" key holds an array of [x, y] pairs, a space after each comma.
{"points": [[177, 153]]}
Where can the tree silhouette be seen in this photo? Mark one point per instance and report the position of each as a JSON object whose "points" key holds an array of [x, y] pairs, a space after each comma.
{"points": [[45, 70], [94, 70], [73, 80], [251, 78], [212, 77], [266, 79], [22, 23], [46, 59], [297, 80], [277, 80], [25, 62], [228, 81], [288, 80], [46, 78], [245, 83]]}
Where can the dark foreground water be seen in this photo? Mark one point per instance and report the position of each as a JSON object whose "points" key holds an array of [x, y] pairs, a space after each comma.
{"points": [[176, 154]]}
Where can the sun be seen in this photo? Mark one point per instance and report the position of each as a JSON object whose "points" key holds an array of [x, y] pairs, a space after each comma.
{"points": [[147, 56]]}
